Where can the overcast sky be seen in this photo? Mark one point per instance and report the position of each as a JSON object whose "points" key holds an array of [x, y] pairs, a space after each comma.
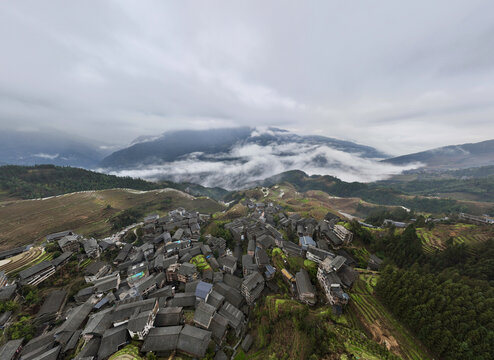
{"points": [[400, 77]]}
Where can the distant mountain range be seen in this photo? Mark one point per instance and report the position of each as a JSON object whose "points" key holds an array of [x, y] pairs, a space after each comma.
{"points": [[233, 158], [47, 147], [451, 157]]}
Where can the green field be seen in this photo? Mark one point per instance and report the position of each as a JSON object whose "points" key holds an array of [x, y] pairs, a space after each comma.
{"points": [[201, 263], [380, 323]]}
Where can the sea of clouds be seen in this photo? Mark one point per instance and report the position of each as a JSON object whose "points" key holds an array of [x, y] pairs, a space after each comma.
{"points": [[248, 163]]}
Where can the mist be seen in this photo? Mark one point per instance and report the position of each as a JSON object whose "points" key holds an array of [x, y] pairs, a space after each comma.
{"points": [[245, 164]]}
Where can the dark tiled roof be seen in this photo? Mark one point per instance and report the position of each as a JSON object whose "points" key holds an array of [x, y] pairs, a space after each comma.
{"points": [[62, 258], [183, 299], [303, 282], [215, 299], [76, 317], [8, 350], [232, 280], [94, 267], [52, 303], [112, 339], [234, 316], [169, 316], [7, 292], [193, 341], [24, 274], [162, 339]]}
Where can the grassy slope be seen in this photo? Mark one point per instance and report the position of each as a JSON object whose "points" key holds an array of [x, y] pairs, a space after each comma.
{"points": [[27, 221], [277, 335]]}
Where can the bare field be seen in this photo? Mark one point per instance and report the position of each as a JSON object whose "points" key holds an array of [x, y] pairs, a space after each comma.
{"points": [[28, 221]]}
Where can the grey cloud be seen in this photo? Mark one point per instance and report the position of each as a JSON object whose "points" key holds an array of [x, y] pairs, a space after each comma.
{"points": [[372, 73]]}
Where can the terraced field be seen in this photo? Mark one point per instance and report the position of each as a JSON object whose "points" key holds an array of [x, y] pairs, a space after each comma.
{"points": [[19, 262], [384, 328], [468, 234], [28, 221]]}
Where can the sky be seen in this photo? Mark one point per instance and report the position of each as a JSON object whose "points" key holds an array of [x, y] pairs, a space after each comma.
{"points": [[402, 77]]}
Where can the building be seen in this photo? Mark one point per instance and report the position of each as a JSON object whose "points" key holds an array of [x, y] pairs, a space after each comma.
{"points": [[228, 264], [398, 224], [202, 291], [374, 262], [113, 340], [305, 290], [187, 272], [11, 350], [252, 287], [96, 270], [172, 272], [61, 260], [91, 248], [345, 235], [193, 341], [52, 306], [270, 272], [169, 316], [57, 236], [306, 241], [248, 265], [235, 317], [204, 315], [317, 255], [140, 324], [36, 274], [162, 340], [69, 243], [289, 278]]}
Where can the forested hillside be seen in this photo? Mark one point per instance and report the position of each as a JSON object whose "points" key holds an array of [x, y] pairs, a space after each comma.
{"points": [[445, 298], [29, 182]]}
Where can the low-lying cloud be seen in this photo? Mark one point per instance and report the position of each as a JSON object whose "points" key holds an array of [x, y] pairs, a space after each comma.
{"points": [[246, 164]]}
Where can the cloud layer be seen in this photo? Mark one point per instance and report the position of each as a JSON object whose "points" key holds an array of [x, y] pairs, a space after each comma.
{"points": [[245, 164], [391, 75]]}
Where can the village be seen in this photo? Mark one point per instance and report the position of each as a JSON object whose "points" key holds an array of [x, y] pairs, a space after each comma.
{"points": [[174, 289]]}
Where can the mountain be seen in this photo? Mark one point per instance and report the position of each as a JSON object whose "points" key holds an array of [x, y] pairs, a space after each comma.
{"points": [[47, 147], [451, 157], [173, 145], [231, 158]]}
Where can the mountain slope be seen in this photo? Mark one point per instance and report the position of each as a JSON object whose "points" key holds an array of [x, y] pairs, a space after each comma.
{"points": [[451, 157], [380, 193]]}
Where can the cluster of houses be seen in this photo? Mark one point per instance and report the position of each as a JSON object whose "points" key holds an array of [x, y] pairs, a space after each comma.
{"points": [[176, 291]]}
